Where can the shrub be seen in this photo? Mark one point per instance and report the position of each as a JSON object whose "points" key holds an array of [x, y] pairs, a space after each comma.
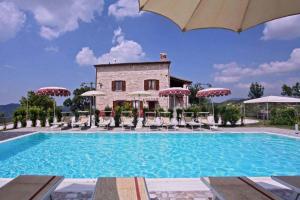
{"points": [[97, 113], [171, 113], [43, 117], [194, 109], [20, 116], [50, 116], [159, 110], [135, 116], [126, 106], [107, 108], [58, 114], [179, 113], [117, 117], [217, 113], [283, 116], [33, 115], [230, 113]]}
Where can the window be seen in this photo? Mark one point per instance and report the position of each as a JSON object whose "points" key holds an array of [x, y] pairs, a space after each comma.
{"points": [[151, 84], [118, 86]]}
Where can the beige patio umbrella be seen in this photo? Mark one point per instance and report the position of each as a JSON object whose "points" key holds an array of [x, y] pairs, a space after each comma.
{"points": [[139, 94], [236, 15], [93, 94]]}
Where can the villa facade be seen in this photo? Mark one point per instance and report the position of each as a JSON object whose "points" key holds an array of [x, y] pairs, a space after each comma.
{"points": [[118, 80]]}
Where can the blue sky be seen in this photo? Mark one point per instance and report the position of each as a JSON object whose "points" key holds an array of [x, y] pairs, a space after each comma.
{"points": [[55, 43]]}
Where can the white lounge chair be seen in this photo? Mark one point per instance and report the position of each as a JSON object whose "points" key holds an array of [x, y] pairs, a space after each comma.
{"points": [[188, 118], [166, 120], [82, 121], [152, 120], [104, 121], [126, 119], [210, 121]]}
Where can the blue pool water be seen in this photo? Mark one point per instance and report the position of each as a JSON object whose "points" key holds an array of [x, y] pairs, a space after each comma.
{"points": [[150, 155]]}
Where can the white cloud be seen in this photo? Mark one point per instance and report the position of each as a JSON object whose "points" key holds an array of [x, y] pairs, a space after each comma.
{"points": [[282, 29], [57, 17], [53, 49], [123, 51], [86, 56], [124, 8], [11, 20], [233, 72]]}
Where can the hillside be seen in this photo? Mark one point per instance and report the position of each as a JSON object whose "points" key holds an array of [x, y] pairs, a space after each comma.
{"points": [[9, 109]]}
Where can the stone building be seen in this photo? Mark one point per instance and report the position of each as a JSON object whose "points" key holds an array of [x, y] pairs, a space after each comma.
{"points": [[118, 80]]}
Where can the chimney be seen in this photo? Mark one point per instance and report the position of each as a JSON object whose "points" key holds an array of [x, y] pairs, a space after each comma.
{"points": [[163, 57]]}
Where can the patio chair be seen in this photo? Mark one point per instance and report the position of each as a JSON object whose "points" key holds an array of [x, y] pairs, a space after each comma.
{"points": [[292, 182], [152, 120], [67, 121], [237, 188], [82, 121], [126, 119], [104, 121], [165, 120], [27, 187], [121, 189], [188, 119], [210, 122]]}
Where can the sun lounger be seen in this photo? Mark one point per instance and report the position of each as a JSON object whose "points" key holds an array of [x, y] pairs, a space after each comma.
{"points": [[82, 121], [237, 188], [121, 189], [165, 120], [292, 182], [104, 121], [209, 121], [126, 119], [152, 120], [188, 119], [67, 121], [30, 187]]}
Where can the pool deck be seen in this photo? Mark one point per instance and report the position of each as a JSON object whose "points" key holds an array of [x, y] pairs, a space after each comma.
{"points": [[159, 188]]}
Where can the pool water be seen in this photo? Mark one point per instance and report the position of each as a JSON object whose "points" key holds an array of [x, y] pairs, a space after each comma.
{"points": [[150, 155]]}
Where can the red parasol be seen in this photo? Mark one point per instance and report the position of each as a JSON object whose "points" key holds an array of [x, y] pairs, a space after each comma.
{"points": [[54, 91], [178, 91], [213, 92]]}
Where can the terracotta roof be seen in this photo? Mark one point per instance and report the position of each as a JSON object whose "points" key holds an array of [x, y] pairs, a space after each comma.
{"points": [[180, 79], [132, 63]]}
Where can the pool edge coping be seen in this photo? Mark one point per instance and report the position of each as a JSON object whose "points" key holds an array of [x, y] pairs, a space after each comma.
{"points": [[153, 132]]}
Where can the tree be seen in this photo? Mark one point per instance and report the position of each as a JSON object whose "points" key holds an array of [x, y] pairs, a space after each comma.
{"points": [[286, 90], [291, 91], [78, 102], [194, 89], [42, 101], [296, 90], [256, 90]]}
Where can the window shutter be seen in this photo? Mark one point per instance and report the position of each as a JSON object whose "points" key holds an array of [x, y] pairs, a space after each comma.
{"points": [[157, 84], [123, 85], [113, 86], [146, 86]]}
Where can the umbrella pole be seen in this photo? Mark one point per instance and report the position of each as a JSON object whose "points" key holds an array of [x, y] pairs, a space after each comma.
{"points": [[91, 111], [174, 108], [213, 109], [54, 103], [94, 110]]}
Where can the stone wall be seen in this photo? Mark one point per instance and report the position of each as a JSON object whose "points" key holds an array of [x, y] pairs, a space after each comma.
{"points": [[134, 74]]}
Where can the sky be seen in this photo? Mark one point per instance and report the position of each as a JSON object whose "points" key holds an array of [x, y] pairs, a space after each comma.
{"points": [[56, 43]]}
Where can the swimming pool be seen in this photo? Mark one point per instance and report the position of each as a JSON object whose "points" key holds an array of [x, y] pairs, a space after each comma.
{"points": [[151, 155]]}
